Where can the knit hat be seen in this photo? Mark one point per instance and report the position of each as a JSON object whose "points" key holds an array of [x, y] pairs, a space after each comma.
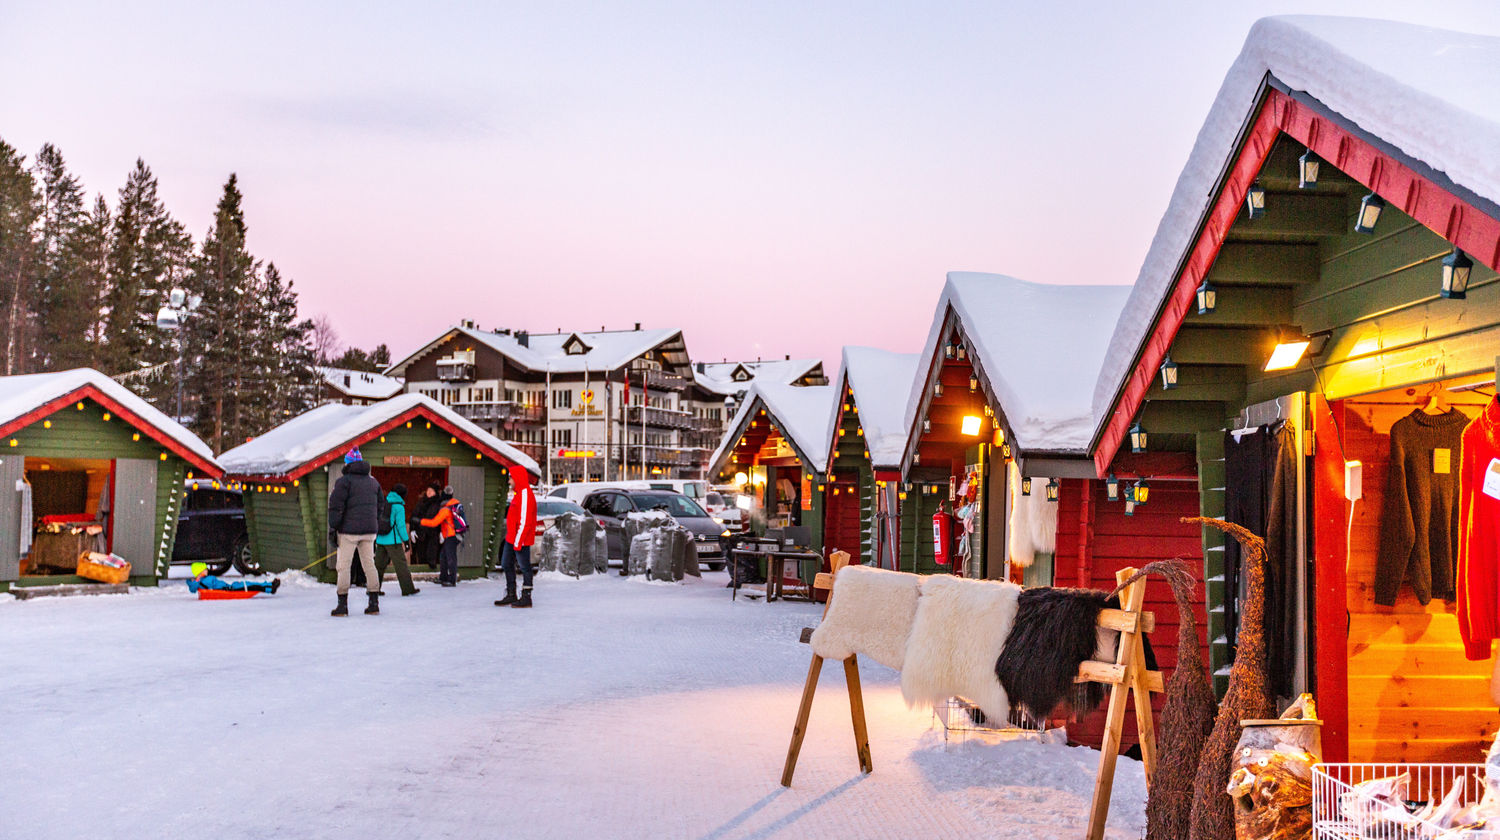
{"points": [[353, 455], [399, 490], [448, 491]]}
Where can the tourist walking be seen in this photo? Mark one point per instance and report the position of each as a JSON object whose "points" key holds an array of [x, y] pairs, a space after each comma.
{"points": [[450, 524], [354, 518], [390, 545], [520, 534]]}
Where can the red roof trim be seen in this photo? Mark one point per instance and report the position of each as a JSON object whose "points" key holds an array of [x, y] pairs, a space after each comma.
{"points": [[1457, 221], [92, 392], [366, 437]]}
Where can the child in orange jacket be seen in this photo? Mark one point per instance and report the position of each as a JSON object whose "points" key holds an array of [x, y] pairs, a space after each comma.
{"points": [[446, 522]]}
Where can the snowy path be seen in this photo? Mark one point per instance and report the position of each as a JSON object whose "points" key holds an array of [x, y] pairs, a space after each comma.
{"points": [[616, 709]]}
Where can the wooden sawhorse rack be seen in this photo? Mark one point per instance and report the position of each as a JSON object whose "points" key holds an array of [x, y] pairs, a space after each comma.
{"points": [[1127, 678]]}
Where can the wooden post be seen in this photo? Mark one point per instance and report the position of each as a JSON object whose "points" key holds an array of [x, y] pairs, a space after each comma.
{"points": [[1132, 680], [857, 713], [799, 730]]}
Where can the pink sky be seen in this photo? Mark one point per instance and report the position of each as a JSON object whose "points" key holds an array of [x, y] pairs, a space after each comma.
{"points": [[773, 178]]}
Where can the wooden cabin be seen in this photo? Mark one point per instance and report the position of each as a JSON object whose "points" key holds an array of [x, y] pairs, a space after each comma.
{"points": [[1285, 319], [289, 472], [86, 465]]}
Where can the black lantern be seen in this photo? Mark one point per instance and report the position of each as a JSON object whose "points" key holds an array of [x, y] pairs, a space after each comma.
{"points": [[1369, 213], [1112, 487], [926, 425], [1005, 451], [1142, 490], [948, 351], [973, 383], [1456, 270], [1168, 374], [1255, 200], [1307, 170], [1137, 438], [1026, 486], [1208, 297], [937, 388], [1129, 506], [1052, 486]]}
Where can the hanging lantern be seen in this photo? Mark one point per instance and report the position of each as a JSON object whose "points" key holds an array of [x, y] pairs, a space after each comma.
{"points": [[1369, 213], [1208, 297], [973, 383], [1112, 487], [937, 388], [1142, 490], [926, 426], [1053, 485], [1129, 507], [1005, 451], [1026, 486], [1137, 438], [963, 351], [1307, 170], [1168, 374], [999, 437], [1456, 270], [949, 351], [1255, 200]]}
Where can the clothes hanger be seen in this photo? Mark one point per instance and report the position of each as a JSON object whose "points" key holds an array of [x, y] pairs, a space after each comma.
{"points": [[1437, 402]]}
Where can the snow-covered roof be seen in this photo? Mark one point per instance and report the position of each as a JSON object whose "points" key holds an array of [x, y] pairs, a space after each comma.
{"points": [[361, 383], [1430, 93], [331, 427], [22, 394], [608, 350], [718, 377], [1039, 347], [801, 412], [878, 380]]}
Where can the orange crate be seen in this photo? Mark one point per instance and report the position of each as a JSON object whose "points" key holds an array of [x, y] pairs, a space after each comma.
{"points": [[90, 568]]}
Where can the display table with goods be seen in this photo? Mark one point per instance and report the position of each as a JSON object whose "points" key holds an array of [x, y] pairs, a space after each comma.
{"points": [[1407, 801], [56, 547]]}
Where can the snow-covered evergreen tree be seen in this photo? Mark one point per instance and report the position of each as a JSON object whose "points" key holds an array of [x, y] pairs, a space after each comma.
{"points": [[63, 302], [220, 337], [149, 255]]}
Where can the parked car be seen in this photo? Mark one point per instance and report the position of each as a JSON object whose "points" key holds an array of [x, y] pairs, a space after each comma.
{"points": [[577, 491], [611, 507], [722, 508], [211, 528], [694, 488], [548, 509]]}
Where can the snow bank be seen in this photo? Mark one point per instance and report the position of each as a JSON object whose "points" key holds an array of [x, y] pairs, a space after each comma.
{"points": [[1038, 345], [876, 378], [327, 427], [1431, 93]]}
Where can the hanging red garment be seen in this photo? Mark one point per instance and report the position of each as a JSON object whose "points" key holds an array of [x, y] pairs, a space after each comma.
{"points": [[1479, 534]]}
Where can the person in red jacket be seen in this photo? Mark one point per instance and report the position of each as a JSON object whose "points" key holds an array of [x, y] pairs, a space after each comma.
{"points": [[520, 533], [1479, 534]]}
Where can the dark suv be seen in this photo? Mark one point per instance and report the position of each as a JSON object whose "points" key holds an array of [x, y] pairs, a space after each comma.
{"points": [[611, 508], [211, 528]]}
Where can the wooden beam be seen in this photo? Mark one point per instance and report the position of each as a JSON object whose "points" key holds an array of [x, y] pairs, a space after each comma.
{"points": [[1247, 306], [1301, 214], [1265, 264], [1155, 463], [1226, 346], [1157, 416]]}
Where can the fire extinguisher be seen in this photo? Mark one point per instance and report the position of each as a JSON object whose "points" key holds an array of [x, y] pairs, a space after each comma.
{"points": [[942, 534]]}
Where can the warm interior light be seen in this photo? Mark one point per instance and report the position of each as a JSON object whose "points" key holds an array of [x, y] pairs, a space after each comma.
{"points": [[1288, 353], [760, 480], [1052, 487], [971, 425], [740, 479]]}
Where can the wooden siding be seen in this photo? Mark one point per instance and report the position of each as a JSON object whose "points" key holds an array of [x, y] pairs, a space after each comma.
{"points": [[1413, 696], [850, 457], [278, 529], [916, 531], [1095, 539]]}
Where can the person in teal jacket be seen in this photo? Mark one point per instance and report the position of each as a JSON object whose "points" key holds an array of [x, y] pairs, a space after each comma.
{"points": [[390, 547], [201, 579]]}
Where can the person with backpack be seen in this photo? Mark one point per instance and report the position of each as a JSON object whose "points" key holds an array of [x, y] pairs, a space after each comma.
{"points": [[520, 534], [390, 541], [354, 519], [451, 524]]}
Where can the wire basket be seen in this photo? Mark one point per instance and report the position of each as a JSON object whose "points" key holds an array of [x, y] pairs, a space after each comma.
{"points": [[1337, 800], [961, 720]]}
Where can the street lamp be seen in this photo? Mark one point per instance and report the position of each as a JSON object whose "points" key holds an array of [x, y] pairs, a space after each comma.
{"points": [[171, 318]]}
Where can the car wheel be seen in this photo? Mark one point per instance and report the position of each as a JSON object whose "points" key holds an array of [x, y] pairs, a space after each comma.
{"points": [[244, 559], [218, 567], [715, 567]]}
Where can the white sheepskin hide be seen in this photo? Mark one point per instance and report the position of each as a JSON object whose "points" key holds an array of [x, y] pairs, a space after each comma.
{"points": [[1022, 551], [869, 613], [960, 629], [1043, 520]]}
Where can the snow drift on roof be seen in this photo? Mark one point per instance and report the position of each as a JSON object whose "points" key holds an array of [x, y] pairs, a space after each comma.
{"points": [[1040, 346], [801, 412], [1431, 93], [718, 377], [21, 394], [609, 350], [362, 384], [303, 438], [878, 380]]}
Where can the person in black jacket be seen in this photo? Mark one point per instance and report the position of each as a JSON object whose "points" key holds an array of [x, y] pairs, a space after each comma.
{"points": [[353, 516], [428, 542]]}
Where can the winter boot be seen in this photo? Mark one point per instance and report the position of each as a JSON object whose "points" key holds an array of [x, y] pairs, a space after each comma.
{"points": [[374, 608], [525, 600], [343, 607], [510, 598], [275, 585]]}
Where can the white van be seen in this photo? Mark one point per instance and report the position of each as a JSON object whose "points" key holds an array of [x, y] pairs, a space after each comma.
{"points": [[577, 490], [695, 489]]}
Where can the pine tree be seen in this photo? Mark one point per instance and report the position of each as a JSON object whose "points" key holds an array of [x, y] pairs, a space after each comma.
{"points": [[91, 247], [149, 254], [20, 207], [294, 388], [63, 301], [219, 336]]}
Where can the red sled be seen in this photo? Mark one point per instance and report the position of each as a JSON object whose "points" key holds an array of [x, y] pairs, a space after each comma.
{"points": [[226, 594]]}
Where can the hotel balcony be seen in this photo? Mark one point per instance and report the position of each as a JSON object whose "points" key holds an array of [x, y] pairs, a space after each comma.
{"points": [[500, 412]]}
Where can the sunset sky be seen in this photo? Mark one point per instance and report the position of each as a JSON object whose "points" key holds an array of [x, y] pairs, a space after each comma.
{"points": [[773, 177]]}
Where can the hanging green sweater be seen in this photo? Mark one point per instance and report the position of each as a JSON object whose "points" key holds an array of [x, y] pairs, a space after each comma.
{"points": [[1419, 520]]}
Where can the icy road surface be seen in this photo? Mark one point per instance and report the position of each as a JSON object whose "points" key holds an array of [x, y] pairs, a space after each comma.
{"points": [[615, 709]]}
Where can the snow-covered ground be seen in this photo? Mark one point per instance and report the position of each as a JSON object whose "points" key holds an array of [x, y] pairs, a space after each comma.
{"points": [[615, 709]]}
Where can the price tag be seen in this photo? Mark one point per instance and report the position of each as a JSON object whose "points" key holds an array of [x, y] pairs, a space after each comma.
{"points": [[1492, 479], [1442, 461]]}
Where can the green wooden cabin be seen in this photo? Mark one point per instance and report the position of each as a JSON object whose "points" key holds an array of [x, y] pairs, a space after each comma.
{"points": [[289, 472], [77, 444]]}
